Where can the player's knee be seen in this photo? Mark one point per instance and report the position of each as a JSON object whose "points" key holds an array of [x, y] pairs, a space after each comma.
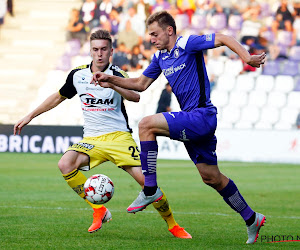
{"points": [[208, 181], [211, 180], [61, 164], [65, 166], [145, 124]]}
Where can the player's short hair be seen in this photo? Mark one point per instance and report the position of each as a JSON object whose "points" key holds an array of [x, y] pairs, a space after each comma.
{"points": [[163, 18], [101, 35]]}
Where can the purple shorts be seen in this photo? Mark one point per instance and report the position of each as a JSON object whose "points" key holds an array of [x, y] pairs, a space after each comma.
{"points": [[196, 129]]}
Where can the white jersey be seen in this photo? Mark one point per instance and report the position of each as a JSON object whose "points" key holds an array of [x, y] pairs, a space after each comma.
{"points": [[103, 108]]}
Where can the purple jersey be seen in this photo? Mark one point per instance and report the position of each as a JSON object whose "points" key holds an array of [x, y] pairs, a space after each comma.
{"points": [[185, 70]]}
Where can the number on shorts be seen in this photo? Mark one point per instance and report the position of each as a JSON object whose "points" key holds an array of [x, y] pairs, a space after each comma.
{"points": [[133, 151]]}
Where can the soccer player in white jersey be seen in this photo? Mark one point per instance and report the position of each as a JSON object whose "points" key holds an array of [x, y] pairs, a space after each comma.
{"points": [[181, 60], [107, 136]]}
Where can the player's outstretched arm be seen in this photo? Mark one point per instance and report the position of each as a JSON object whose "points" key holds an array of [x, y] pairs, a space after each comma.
{"points": [[51, 102], [140, 84], [234, 45], [129, 95]]}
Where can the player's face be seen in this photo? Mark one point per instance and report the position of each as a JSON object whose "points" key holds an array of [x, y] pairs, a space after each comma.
{"points": [[160, 37], [101, 53]]}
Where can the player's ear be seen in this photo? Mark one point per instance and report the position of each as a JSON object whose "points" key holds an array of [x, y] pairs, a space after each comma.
{"points": [[170, 30]]}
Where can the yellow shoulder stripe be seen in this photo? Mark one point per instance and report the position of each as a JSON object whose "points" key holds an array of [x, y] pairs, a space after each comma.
{"points": [[82, 67], [124, 74]]}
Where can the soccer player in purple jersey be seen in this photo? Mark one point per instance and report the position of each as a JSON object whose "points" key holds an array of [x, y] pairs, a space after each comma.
{"points": [[181, 60]]}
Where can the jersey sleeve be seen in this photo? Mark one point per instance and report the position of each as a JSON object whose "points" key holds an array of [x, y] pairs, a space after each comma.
{"points": [[68, 90], [196, 43], [153, 70], [118, 72]]}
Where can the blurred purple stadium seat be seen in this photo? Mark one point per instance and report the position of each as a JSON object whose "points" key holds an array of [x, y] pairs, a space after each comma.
{"points": [[199, 22], [271, 68], [235, 22], [265, 10], [283, 51], [64, 63], [269, 35], [294, 53], [182, 21], [73, 47], [230, 32], [290, 68], [85, 49], [284, 38], [218, 22]]}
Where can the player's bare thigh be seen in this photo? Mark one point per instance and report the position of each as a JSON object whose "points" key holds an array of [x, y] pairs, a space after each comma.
{"points": [[72, 160], [153, 125]]}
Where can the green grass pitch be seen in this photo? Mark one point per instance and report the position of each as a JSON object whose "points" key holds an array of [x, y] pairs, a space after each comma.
{"points": [[38, 210]]}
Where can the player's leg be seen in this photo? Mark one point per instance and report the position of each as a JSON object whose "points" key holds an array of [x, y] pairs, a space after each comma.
{"points": [[149, 128], [202, 150], [68, 165], [212, 176], [162, 206]]}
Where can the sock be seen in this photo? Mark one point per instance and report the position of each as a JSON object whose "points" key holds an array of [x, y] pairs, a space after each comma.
{"points": [[251, 220], [235, 200], [149, 191], [148, 156], [165, 211], [76, 180]]}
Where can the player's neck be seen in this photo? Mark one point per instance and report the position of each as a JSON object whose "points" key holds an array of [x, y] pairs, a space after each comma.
{"points": [[102, 68], [172, 43]]}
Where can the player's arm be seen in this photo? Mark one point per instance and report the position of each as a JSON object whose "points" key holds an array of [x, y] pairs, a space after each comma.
{"points": [[234, 45], [140, 84], [129, 95], [51, 102]]}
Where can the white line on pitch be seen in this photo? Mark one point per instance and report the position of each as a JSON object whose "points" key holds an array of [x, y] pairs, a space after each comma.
{"points": [[150, 212]]}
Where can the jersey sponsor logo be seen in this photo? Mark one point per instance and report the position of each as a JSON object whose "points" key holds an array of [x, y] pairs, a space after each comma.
{"points": [[176, 53], [82, 66], [183, 136], [84, 146], [90, 101], [94, 89], [98, 109], [83, 81], [208, 37], [172, 70], [165, 57]]}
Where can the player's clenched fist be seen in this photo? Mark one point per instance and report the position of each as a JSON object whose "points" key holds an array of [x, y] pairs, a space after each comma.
{"points": [[99, 77]]}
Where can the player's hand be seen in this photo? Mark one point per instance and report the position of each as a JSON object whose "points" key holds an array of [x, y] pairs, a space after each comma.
{"points": [[101, 79], [257, 60], [106, 85], [98, 77], [20, 124]]}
